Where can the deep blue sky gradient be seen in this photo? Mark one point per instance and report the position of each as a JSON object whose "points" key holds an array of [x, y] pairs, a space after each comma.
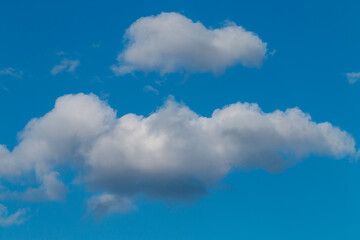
{"points": [[316, 43]]}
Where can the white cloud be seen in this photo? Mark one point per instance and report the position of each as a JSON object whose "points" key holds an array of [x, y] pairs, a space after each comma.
{"points": [[353, 77], [16, 218], [172, 154], [151, 89], [105, 204], [61, 53], [170, 42], [11, 72], [65, 65]]}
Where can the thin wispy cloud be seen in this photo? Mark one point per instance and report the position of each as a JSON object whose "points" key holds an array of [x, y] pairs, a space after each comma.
{"points": [[7, 220], [12, 72], [66, 65], [149, 88], [60, 53], [106, 204], [353, 77], [271, 53]]}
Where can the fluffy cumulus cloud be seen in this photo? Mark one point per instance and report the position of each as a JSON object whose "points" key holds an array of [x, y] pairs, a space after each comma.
{"points": [[16, 218], [65, 65], [171, 154], [170, 42]]}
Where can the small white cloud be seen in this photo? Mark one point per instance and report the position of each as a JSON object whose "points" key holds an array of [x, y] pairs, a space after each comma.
{"points": [[12, 72], [353, 77], [16, 218], [170, 42], [61, 53], [65, 65], [151, 89], [271, 53], [106, 204]]}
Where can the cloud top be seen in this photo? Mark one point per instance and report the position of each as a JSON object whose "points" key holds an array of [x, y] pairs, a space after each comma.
{"points": [[170, 42]]}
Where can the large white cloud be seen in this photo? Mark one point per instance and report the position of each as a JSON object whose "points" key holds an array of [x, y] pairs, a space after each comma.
{"points": [[172, 154], [170, 42]]}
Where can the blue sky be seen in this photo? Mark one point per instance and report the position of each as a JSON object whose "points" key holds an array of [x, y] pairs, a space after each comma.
{"points": [[241, 174]]}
